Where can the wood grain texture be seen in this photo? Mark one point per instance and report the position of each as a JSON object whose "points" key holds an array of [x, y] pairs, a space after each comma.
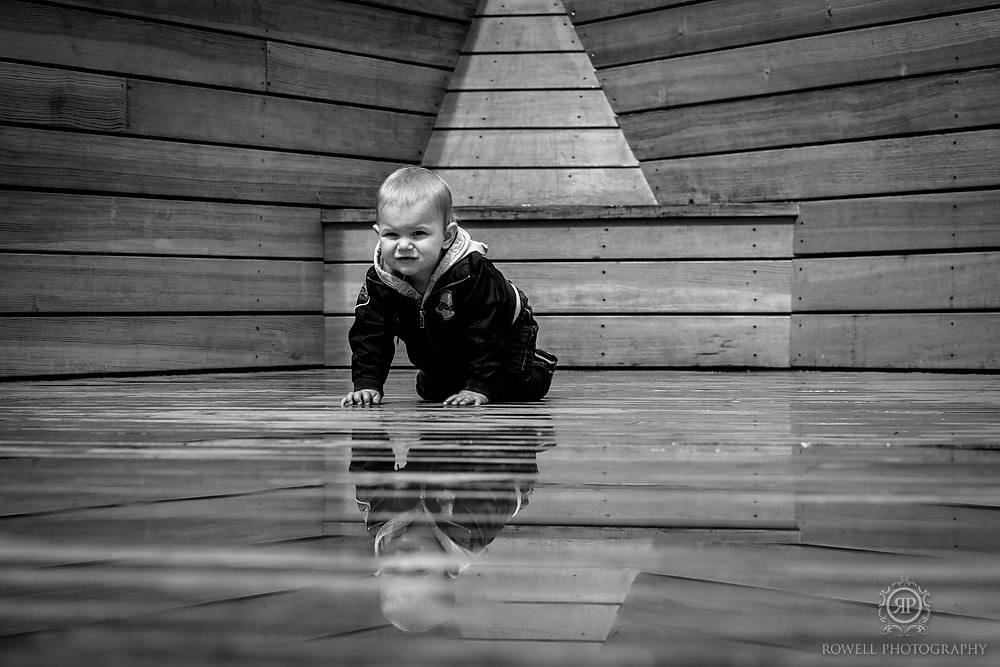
{"points": [[618, 287], [524, 71], [942, 281], [913, 105], [93, 283], [62, 98], [519, 108], [926, 163], [918, 222], [354, 79], [712, 26], [202, 114], [49, 222], [906, 340], [59, 36], [372, 30], [63, 345], [529, 239], [38, 158], [508, 34], [528, 148], [537, 187], [884, 52], [633, 341]]}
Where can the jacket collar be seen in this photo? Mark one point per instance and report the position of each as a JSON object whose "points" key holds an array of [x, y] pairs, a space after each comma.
{"points": [[461, 247]]}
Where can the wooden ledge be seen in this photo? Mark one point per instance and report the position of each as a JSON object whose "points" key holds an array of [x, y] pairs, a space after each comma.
{"points": [[515, 213]]}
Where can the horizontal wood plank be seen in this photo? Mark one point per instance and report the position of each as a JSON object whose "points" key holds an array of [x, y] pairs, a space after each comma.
{"points": [[73, 480], [528, 148], [520, 108], [762, 212], [711, 26], [942, 281], [592, 10], [95, 283], [39, 158], [920, 104], [634, 341], [459, 10], [528, 239], [618, 287], [67, 345], [509, 34], [918, 222], [81, 39], [914, 340], [373, 30], [262, 517], [514, 7], [662, 506], [525, 71], [50, 222], [365, 29], [884, 52], [202, 114], [935, 162], [354, 79], [538, 187], [872, 525], [699, 341], [62, 98]]}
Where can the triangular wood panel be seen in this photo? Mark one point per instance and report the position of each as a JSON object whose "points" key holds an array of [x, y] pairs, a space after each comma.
{"points": [[525, 122]]}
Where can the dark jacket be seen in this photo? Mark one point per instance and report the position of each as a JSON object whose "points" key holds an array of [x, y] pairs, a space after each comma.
{"points": [[468, 330]]}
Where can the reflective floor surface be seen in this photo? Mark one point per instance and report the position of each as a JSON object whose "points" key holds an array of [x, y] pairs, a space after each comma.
{"points": [[632, 518]]}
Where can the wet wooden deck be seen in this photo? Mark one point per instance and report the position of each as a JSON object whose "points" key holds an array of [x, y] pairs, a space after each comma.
{"points": [[665, 518]]}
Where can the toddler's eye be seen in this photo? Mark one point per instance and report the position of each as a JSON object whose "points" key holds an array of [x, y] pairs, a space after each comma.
{"points": [[418, 233]]}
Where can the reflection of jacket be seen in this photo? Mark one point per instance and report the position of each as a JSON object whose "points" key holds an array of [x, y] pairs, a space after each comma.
{"points": [[469, 327], [486, 496], [490, 476]]}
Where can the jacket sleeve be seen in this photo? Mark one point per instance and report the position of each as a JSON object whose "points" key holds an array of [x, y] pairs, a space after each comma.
{"points": [[491, 308], [372, 341]]}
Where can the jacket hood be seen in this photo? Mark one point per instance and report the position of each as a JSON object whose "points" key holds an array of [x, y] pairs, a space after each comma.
{"points": [[462, 246]]}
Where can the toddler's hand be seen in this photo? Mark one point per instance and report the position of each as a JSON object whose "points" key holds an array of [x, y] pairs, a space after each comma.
{"points": [[363, 398], [467, 397]]}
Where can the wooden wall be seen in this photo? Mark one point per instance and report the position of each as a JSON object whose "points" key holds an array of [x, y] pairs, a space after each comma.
{"points": [[644, 286], [879, 118], [525, 121], [163, 166]]}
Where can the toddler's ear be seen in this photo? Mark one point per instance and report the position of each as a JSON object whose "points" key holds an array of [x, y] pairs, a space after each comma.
{"points": [[450, 233], [375, 227]]}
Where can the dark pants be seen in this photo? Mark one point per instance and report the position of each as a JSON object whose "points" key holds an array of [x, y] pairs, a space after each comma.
{"points": [[529, 382]]}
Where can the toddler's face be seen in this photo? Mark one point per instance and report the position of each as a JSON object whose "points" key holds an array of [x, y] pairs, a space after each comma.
{"points": [[412, 239]]}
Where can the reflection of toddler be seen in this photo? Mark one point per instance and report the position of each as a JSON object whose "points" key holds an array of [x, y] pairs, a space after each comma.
{"points": [[427, 534]]}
